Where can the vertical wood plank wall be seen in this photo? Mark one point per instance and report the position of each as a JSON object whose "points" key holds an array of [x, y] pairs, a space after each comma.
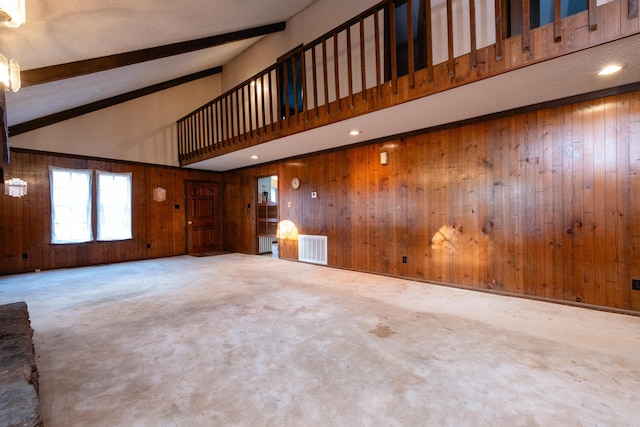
{"points": [[25, 230], [543, 204]]}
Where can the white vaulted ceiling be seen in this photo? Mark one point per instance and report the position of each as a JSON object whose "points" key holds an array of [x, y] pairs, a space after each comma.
{"points": [[64, 31]]}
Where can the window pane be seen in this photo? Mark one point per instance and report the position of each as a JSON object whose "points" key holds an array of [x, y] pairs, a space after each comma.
{"points": [[114, 206], [70, 205]]}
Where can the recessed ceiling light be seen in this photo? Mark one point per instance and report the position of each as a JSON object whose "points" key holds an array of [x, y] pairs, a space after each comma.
{"points": [[610, 69], [354, 132], [254, 157]]}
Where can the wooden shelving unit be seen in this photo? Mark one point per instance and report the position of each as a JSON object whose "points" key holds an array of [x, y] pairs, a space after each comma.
{"points": [[267, 219]]}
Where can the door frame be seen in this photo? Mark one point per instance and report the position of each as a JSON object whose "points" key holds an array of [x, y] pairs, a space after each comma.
{"points": [[217, 213]]}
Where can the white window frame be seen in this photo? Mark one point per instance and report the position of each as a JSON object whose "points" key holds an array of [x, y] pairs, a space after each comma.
{"points": [[71, 191], [113, 206]]}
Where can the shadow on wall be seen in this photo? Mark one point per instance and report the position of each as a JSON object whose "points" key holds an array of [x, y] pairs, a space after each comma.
{"points": [[159, 146]]}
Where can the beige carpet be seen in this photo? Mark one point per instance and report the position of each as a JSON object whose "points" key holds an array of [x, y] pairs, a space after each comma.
{"points": [[249, 340]]}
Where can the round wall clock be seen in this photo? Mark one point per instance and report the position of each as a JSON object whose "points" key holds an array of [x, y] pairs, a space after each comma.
{"points": [[295, 183]]}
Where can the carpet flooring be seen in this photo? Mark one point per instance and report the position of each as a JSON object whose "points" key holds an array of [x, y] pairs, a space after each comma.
{"points": [[245, 340]]}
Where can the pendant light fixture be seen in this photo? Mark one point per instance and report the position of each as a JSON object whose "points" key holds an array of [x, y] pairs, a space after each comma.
{"points": [[12, 13], [10, 73]]}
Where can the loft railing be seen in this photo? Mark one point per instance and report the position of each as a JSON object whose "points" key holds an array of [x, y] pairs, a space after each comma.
{"points": [[356, 68]]}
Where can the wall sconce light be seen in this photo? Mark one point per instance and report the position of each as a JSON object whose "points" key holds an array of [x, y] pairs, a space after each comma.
{"points": [[12, 13], [10, 73], [384, 158], [159, 194], [15, 187]]}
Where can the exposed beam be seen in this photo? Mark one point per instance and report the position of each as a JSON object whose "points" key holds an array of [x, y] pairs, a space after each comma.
{"points": [[109, 102], [80, 68]]}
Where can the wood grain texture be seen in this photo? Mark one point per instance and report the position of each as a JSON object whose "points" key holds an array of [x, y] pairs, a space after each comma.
{"points": [[25, 223], [540, 203]]}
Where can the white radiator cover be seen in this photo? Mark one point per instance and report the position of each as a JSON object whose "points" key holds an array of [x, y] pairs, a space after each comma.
{"points": [[264, 244], [312, 249]]}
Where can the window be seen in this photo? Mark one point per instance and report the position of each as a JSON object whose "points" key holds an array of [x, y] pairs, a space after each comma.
{"points": [[114, 206], [72, 205]]}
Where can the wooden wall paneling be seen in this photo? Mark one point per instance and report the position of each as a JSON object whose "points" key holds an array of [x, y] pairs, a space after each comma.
{"points": [[568, 237], [32, 220], [501, 206], [557, 206], [588, 202], [415, 210], [540, 172], [358, 202], [634, 196], [545, 285], [377, 242], [599, 207], [527, 194], [398, 205], [623, 142], [577, 213], [515, 208], [611, 199]]}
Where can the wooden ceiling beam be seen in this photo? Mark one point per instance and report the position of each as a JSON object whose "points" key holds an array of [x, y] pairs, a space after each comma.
{"points": [[53, 73]]}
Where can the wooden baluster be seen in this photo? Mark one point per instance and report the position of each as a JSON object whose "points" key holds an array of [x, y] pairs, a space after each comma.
{"points": [[303, 76], [393, 47], [472, 33], [198, 131], [227, 114], [376, 24], [526, 26], [179, 129], [272, 113], [217, 124], [314, 74], [294, 78], [325, 72], [207, 127], [349, 67], [239, 109], [410, 58], [451, 63], [336, 69], [264, 113], [245, 107], [188, 136], [557, 21], [428, 39], [593, 15], [499, 29], [257, 87], [285, 94], [363, 69]]}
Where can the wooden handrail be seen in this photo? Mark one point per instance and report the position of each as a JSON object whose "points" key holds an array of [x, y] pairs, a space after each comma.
{"points": [[250, 112]]}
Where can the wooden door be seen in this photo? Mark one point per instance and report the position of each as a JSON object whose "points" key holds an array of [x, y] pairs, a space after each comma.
{"points": [[203, 217]]}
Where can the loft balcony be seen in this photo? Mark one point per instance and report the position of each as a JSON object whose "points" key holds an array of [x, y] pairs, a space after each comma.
{"points": [[404, 52]]}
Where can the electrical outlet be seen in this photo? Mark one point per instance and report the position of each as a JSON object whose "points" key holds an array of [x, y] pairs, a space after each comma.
{"points": [[635, 284], [25, 255], [404, 259]]}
